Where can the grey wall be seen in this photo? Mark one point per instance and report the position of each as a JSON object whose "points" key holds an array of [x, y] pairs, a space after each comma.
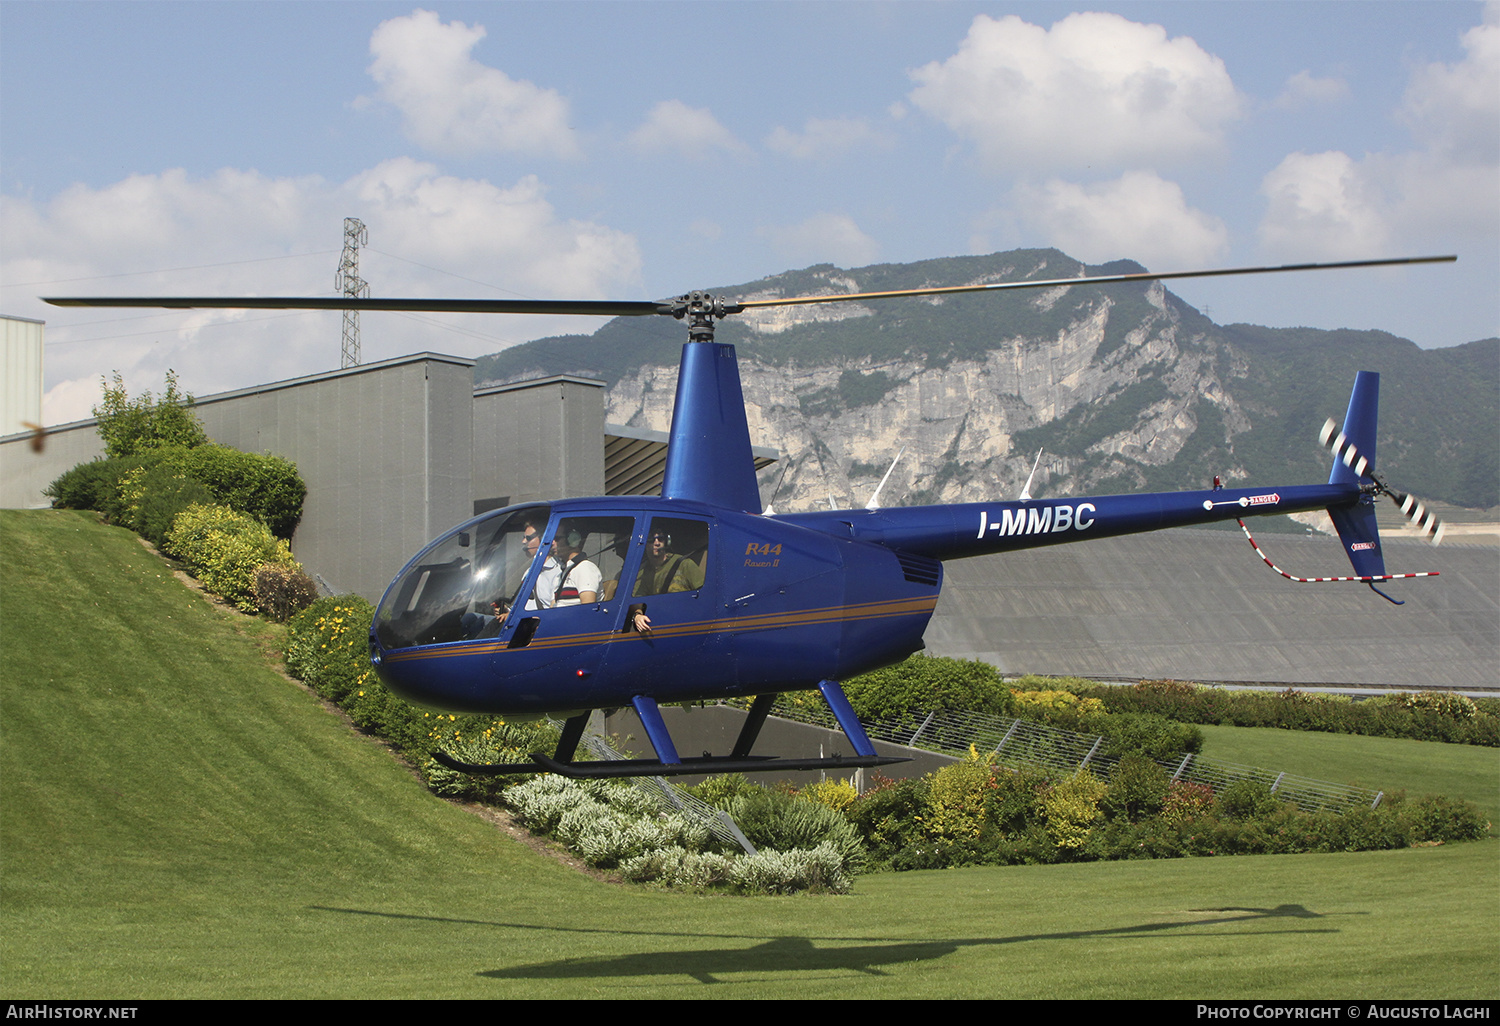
{"points": [[538, 440], [25, 472], [384, 448], [1200, 605]]}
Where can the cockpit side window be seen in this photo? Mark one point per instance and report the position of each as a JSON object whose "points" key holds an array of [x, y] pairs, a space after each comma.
{"points": [[676, 557], [584, 563]]}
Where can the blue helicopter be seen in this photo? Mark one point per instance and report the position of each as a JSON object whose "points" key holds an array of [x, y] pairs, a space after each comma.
{"points": [[700, 594]]}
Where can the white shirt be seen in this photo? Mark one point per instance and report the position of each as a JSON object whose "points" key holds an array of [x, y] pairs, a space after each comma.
{"points": [[580, 577], [546, 586]]}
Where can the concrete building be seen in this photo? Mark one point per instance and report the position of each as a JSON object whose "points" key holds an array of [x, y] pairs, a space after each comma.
{"points": [[20, 373]]}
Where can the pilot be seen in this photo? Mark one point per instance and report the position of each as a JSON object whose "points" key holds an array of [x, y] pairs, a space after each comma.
{"points": [[570, 579], [479, 625], [531, 539]]}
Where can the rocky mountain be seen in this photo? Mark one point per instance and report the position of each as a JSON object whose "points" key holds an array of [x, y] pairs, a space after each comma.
{"points": [[1122, 387]]}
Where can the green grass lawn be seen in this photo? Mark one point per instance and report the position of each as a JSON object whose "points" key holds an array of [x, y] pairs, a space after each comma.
{"points": [[177, 820], [1380, 763]]}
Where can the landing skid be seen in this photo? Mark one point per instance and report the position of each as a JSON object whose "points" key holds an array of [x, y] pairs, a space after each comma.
{"points": [[669, 764], [703, 765]]}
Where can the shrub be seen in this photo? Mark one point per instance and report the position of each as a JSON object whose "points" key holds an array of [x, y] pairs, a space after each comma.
{"points": [[837, 794], [678, 867], [925, 683], [94, 485], [153, 497], [267, 487], [1436, 818], [1444, 703], [1186, 801], [719, 791], [1029, 703], [481, 741], [958, 800], [1246, 799], [223, 549], [130, 427], [1071, 809], [770, 871], [770, 819], [1426, 716], [1138, 788], [888, 817], [280, 591]]}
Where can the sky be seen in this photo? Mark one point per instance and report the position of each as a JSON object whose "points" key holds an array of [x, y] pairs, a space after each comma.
{"points": [[634, 150]]}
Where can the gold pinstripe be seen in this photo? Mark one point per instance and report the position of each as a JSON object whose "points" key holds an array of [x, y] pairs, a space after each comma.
{"points": [[762, 622]]}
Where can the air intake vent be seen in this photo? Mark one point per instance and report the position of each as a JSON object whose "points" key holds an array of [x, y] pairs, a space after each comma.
{"points": [[920, 569]]}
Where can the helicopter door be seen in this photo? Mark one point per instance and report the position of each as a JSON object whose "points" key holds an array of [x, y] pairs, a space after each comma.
{"points": [[573, 589]]}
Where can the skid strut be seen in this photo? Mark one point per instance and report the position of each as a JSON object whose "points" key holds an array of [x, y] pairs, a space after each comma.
{"points": [[668, 763]]}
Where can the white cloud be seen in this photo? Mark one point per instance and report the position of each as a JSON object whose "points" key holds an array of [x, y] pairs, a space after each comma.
{"points": [[823, 238], [1095, 89], [451, 103], [243, 233], [826, 138], [1305, 89], [1323, 206], [674, 127], [1332, 206], [1454, 110], [1138, 216]]}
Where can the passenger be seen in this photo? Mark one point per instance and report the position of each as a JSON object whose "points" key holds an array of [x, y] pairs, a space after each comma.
{"points": [[571, 580], [484, 625], [661, 573]]}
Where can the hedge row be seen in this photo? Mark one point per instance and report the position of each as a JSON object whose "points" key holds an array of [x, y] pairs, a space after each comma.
{"points": [[145, 491], [1423, 716], [971, 813]]}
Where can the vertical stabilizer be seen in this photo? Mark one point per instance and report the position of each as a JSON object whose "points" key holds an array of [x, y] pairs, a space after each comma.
{"points": [[708, 453], [1353, 463]]}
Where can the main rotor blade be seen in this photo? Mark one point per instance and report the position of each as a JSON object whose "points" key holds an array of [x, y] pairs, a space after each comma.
{"points": [[589, 307], [1103, 279]]}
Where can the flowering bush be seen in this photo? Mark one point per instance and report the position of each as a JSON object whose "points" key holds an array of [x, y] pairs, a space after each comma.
{"points": [[327, 646], [836, 794], [223, 549], [1071, 809]]}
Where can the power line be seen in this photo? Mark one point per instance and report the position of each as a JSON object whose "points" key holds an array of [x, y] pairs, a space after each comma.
{"points": [[166, 270]]}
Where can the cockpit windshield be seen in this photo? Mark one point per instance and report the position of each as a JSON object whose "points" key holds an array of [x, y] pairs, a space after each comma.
{"points": [[465, 583]]}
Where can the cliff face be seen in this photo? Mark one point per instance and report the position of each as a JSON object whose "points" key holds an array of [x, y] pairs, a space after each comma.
{"points": [[958, 423], [1122, 387]]}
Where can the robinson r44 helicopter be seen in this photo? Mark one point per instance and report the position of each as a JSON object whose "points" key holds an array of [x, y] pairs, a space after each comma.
{"points": [[699, 594]]}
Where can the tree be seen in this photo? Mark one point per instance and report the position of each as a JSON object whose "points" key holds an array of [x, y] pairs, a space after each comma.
{"points": [[130, 427]]}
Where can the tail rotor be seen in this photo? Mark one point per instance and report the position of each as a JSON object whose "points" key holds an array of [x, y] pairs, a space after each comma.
{"points": [[1424, 520]]}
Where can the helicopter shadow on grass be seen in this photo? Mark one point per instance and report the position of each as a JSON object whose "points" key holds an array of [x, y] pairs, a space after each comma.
{"points": [[796, 953]]}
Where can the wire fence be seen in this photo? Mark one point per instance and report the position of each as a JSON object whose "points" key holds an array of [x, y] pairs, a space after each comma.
{"points": [[1019, 743]]}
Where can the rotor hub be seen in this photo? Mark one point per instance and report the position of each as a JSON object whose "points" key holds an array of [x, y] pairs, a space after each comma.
{"points": [[700, 309]]}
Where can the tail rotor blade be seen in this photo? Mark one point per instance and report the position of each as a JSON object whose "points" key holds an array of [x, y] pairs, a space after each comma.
{"points": [[1415, 510]]}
